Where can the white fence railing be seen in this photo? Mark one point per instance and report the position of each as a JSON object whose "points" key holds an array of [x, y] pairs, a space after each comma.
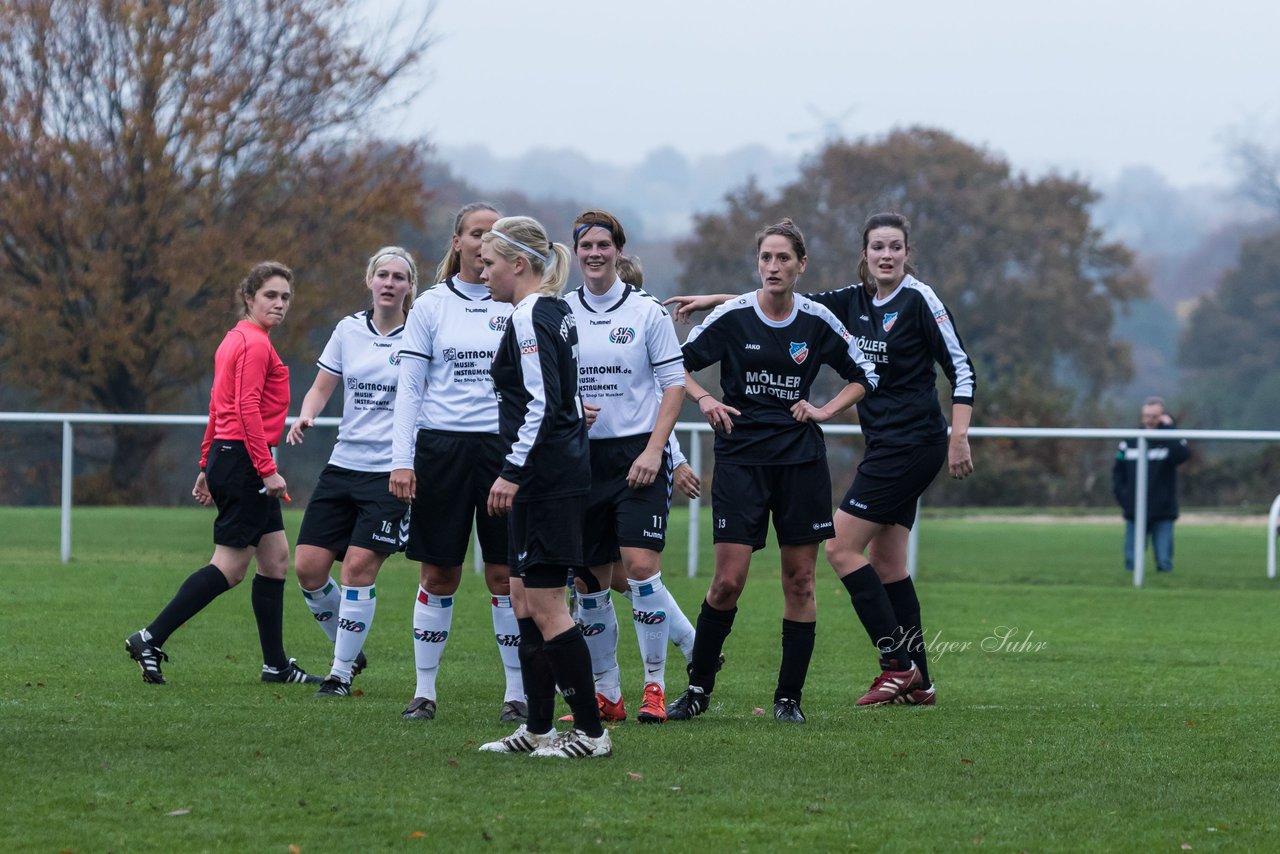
{"points": [[694, 453]]}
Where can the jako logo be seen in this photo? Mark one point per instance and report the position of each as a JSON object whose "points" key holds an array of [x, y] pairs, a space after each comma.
{"points": [[799, 351], [622, 335], [818, 526], [648, 618], [430, 637], [354, 626], [508, 640], [590, 630], [498, 324], [324, 616]]}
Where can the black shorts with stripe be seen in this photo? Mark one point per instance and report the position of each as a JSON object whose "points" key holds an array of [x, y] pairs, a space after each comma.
{"points": [[455, 472], [797, 496], [890, 480], [245, 512], [617, 515], [354, 508]]}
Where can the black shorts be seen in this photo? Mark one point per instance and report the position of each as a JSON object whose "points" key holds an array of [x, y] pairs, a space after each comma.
{"points": [[455, 472], [354, 508], [890, 481], [546, 539], [798, 496], [245, 512], [617, 515]]}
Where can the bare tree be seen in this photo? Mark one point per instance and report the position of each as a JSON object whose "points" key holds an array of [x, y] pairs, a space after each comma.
{"points": [[1258, 169]]}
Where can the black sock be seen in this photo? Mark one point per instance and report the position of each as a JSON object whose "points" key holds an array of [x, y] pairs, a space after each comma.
{"points": [[906, 605], [268, 611], [571, 663], [201, 587], [539, 684], [797, 650], [871, 603], [714, 627]]}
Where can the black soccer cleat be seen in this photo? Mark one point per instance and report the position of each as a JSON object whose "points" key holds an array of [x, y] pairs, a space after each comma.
{"points": [[688, 705], [148, 656], [787, 710], [332, 686], [290, 673], [358, 666], [514, 711], [420, 709]]}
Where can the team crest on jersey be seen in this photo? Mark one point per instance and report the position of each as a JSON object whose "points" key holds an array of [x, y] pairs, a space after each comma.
{"points": [[799, 351], [498, 323], [622, 335], [888, 320], [394, 358]]}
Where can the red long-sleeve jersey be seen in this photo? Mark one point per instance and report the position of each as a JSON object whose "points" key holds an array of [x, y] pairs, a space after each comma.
{"points": [[250, 396]]}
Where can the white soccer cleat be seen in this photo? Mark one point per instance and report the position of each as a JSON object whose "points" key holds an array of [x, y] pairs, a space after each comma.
{"points": [[575, 744], [521, 741]]}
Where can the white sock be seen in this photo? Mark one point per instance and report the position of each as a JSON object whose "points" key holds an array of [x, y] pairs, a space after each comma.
{"points": [[679, 629], [506, 631], [432, 617], [649, 605], [324, 606], [600, 626], [355, 617]]}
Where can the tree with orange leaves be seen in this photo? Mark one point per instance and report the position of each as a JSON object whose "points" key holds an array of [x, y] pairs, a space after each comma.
{"points": [[149, 153]]}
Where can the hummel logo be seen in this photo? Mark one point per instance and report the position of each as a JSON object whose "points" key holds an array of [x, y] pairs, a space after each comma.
{"points": [[864, 317]]}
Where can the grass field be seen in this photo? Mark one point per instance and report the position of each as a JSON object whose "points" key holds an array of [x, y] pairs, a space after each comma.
{"points": [[1110, 719]]}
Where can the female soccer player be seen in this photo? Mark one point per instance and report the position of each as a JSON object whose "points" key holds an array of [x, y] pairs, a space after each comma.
{"points": [[627, 344], [247, 409], [901, 322], [770, 455], [352, 515], [543, 485], [446, 440]]}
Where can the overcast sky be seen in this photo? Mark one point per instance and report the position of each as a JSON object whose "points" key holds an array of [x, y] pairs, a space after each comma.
{"points": [[1076, 85]]}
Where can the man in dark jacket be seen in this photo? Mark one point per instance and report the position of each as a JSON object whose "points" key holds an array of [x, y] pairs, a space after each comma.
{"points": [[1163, 459]]}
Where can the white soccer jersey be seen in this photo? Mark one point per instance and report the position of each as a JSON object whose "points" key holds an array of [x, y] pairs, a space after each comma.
{"points": [[449, 341], [625, 340], [367, 361]]}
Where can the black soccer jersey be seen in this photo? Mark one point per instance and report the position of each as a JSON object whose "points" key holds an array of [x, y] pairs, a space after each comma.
{"points": [[535, 374], [766, 366], [905, 335]]}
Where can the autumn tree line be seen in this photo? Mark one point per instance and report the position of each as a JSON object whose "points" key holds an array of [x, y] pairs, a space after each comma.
{"points": [[150, 152]]}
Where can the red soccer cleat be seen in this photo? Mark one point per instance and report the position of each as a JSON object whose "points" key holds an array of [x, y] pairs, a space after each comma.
{"points": [[653, 709], [890, 685]]}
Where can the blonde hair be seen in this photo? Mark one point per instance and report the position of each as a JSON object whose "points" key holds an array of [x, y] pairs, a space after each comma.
{"points": [[630, 271], [524, 237], [376, 260], [451, 264]]}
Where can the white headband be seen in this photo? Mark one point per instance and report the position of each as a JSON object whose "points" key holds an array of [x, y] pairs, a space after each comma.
{"points": [[413, 271], [534, 252]]}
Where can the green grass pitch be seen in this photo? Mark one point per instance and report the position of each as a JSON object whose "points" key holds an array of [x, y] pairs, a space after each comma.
{"points": [[1110, 719]]}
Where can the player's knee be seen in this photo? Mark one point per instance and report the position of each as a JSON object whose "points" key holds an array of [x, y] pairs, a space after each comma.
{"points": [[725, 590]]}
